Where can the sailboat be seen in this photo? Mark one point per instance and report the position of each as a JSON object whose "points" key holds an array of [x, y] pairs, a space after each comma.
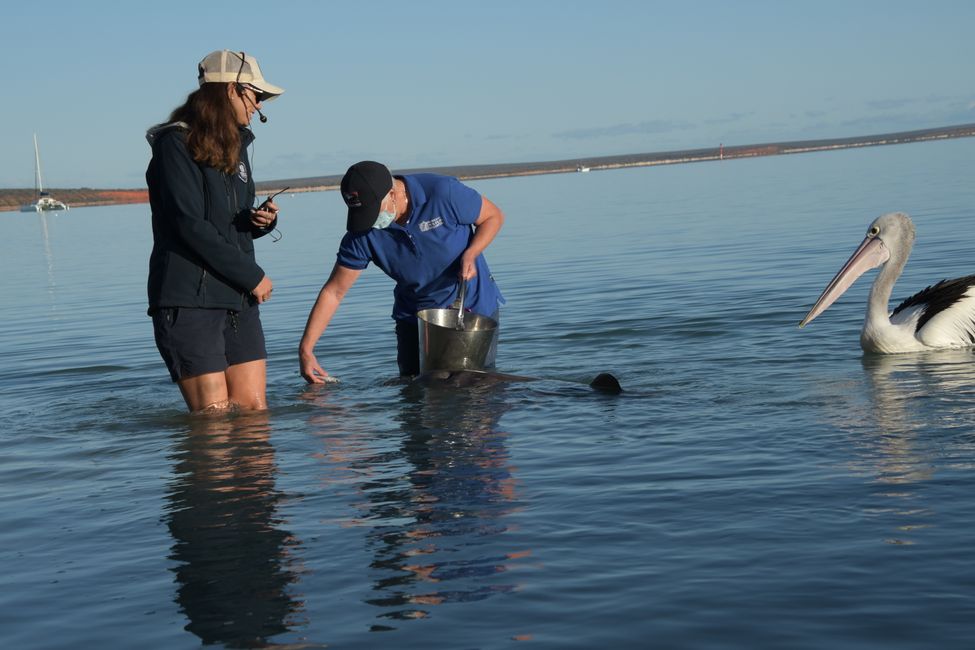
{"points": [[44, 202]]}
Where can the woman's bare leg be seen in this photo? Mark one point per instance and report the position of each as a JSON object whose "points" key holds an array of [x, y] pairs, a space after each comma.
{"points": [[207, 392], [247, 385]]}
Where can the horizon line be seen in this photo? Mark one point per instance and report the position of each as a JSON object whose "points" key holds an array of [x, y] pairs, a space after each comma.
{"points": [[10, 198]]}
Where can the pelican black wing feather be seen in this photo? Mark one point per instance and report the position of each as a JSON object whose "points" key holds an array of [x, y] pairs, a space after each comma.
{"points": [[937, 298]]}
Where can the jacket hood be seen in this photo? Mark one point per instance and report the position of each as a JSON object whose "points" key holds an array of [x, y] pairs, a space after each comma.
{"points": [[155, 131]]}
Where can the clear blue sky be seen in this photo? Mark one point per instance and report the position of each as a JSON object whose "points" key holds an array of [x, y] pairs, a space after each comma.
{"points": [[440, 82]]}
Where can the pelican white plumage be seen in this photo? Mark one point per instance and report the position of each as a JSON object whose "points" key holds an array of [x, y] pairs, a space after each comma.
{"points": [[941, 316]]}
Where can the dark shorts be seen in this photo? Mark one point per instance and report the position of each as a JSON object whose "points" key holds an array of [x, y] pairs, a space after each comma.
{"points": [[199, 341]]}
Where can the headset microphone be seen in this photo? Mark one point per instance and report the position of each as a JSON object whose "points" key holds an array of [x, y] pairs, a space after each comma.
{"points": [[240, 87], [243, 96]]}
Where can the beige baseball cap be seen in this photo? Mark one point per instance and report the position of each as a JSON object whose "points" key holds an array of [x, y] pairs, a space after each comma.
{"points": [[229, 66]]}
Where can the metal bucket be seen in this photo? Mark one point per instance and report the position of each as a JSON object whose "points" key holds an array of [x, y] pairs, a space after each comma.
{"points": [[444, 347]]}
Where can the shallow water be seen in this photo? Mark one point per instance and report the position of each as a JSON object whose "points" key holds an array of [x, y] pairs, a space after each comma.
{"points": [[756, 485]]}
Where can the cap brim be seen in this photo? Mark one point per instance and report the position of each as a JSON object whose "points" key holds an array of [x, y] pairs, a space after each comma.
{"points": [[361, 219], [267, 91]]}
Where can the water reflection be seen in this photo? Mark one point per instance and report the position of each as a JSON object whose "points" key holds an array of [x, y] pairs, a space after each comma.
{"points": [[235, 562], [434, 503], [912, 394], [48, 258], [916, 404]]}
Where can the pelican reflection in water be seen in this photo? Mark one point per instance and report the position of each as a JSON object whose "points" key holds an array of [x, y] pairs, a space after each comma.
{"points": [[917, 432], [941, 316]]}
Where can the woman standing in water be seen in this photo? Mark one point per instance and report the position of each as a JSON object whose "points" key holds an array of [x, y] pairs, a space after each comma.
{"points": [[204, 281]]}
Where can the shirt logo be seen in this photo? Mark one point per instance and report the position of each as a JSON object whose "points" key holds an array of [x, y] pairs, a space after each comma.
{"points": [[242, 171], [436, 222], [352, 199]]}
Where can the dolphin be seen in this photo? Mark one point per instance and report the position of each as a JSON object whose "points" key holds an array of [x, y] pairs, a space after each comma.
{"points": [[604, 382]]}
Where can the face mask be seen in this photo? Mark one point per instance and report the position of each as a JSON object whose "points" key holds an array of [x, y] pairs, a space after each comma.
{"points": [[385, 218]]}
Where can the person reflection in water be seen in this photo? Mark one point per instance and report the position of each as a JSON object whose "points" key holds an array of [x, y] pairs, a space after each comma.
{"points": [[234, 563], [452, 548]]}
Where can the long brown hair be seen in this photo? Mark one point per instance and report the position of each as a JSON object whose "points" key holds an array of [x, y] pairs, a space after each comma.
{"points": [[214, 137]]}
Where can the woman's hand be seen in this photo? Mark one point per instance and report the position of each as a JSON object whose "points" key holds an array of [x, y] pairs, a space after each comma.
{"points": [[263, 216], [263, 290]]}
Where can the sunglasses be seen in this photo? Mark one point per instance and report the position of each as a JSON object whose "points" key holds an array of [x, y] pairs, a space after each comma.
{"points": [[259, 95]]}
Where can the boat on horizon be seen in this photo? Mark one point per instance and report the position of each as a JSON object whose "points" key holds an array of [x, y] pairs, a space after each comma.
{"points": [[43, 201], [582, 168]]}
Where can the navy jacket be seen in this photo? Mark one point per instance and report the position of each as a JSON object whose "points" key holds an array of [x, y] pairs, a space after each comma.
{"points": [[203, 239]]}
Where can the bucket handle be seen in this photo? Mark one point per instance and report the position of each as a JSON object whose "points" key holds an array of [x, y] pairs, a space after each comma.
{"points": [[460, 308]]}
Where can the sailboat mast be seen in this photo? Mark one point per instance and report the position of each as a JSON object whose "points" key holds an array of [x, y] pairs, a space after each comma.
{"points": [[37, 168]]}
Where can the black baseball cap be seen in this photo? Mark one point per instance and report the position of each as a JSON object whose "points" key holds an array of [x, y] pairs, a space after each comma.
{"points": [[364, 187]]}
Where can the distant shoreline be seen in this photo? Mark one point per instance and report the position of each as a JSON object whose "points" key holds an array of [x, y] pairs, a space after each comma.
{"points": [[12, 199]]}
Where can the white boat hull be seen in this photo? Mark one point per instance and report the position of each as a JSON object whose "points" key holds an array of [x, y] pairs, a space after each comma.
{"points": [[45, 205]]}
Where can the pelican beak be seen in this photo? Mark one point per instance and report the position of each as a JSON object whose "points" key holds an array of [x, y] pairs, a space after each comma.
{"points": [[869, 255]]}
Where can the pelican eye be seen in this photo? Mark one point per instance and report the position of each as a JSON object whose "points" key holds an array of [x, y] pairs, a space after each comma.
{"points": [[873, 232]]}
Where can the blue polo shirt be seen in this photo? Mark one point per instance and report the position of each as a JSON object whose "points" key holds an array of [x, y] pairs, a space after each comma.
{"points": [[423, 256]]}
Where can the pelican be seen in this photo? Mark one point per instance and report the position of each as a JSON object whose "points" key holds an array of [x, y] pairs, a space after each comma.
{"points": [[941, 316]]}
